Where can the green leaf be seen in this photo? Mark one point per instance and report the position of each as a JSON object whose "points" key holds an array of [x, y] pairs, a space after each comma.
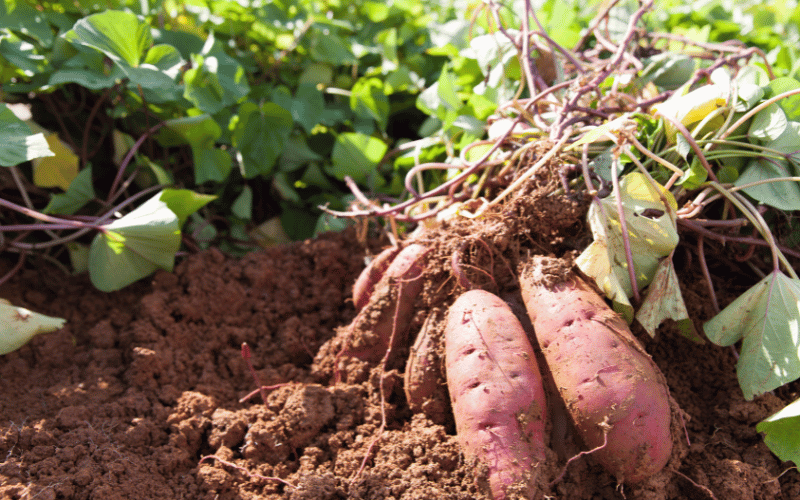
{"points": [[17, 144], [768, 124], [664, 300], [367, 98], [782, 433], [18, 325], [784, 195], [78, 256], [296, 154], [329, 48], [119, 35], [242, 206], [79, 193], [791, 104], [765, 318], [356, 155], [134, 246], [668, 70], [695, 175], [184, 202], [201, 133], [260, 135], [307, 106]]}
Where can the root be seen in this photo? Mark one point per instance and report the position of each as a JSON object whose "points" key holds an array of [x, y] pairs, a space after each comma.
{"points": [[606, 430], [251, 475]]}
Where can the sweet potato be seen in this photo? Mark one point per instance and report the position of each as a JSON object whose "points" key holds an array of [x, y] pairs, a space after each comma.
{"points": [[617, 397], [496, 392], [424, 389], [389, 309], [371, 275]]}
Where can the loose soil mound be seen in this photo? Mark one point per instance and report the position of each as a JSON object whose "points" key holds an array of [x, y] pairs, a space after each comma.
{"points": [[141, 384]]}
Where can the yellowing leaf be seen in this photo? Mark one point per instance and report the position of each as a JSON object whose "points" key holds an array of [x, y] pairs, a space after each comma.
{"points": [[603, 132], [58, 170], [652, 234], [18, 325], [692, 107]]}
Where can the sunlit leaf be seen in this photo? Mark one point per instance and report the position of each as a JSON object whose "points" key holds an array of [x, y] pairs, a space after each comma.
{"points": [[791, 104], [768, 124], [782, 433], [692, 107], [18, 325], [767, 320], [134, 246], [184, 202], [369, 99], [119, 35], [356, 155], [602, 132], [17, 144]]}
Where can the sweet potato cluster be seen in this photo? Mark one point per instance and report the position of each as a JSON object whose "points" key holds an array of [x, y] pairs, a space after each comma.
{"points": [[616, 396]]}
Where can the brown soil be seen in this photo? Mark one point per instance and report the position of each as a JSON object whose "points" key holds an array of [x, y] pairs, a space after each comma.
{"points": [[141, 384]]}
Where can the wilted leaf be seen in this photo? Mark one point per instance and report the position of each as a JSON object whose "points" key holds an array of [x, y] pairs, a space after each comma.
{"points": [[766, 319], [651, 231], [664, 300], [18, 325]]}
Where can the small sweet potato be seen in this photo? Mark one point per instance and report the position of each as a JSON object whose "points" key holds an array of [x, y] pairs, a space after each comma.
{"points": [[616, 395], [389, 310], [496, 392], [424, 389], [371, 275]]}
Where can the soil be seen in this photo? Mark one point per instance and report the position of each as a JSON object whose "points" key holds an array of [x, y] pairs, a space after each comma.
{"points": [[138, 396]]}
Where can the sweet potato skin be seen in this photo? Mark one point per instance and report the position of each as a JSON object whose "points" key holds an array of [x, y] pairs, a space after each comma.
{"points": [[425, 392], [389, 309], [606, 379], [496, 392], [371, 275]]}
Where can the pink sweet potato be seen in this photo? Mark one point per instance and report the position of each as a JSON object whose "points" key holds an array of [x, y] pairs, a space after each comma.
{"points": [[496, 392], [423, 385], [389, 310], [616, 395], [371, 275]]}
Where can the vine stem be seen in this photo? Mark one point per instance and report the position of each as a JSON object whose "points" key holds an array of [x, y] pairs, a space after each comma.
{"points": [[112, 193], [626, 242], [741, 121]]}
